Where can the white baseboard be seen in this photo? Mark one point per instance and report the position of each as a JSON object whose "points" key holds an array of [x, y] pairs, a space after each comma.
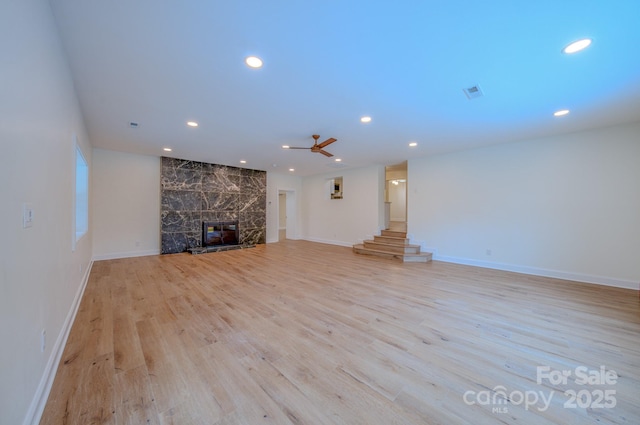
{"points": [[330, 242], [130, 254], [44, 388], [579, 277]]}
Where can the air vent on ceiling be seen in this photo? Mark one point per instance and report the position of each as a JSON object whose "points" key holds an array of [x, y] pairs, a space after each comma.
{"points": [[133, 124], [473, 92]]}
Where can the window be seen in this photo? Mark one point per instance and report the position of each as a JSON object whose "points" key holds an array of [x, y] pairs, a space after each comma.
{"points": [[81, 223]]}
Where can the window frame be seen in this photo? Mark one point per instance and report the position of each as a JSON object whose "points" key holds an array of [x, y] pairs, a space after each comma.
{"points": [[80, 195]]}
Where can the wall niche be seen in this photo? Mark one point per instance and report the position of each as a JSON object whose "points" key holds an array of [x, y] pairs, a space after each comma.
{"points": [[193, 192]]}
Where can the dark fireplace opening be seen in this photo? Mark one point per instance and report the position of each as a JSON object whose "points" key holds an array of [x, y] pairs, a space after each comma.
{"points": [[220, 233]]}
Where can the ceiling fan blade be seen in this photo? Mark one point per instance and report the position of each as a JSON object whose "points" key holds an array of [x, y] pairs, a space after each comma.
{"points": [[295, 147], [325, 153], [327, 142]]}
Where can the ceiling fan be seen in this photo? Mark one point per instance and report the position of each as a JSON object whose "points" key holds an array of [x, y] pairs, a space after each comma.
{"points": [[317, 147]]}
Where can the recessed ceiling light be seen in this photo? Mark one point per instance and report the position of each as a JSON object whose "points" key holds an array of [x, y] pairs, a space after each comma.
{"points": [[413, 144], [338, 159], [365, 119], [167, 149], [561, 113], [285, 146], [576, 46], [192, 123], [292, 169], [242, 161], [253, 62]]}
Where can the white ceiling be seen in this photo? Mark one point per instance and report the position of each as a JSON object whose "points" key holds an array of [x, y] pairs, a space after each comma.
{"points": [[327, 63]]}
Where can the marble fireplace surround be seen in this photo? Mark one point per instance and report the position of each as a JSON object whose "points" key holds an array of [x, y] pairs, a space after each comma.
{"points": [[194, 192]]}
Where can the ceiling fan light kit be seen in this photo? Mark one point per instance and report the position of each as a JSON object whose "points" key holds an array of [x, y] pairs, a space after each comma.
{"points": [[317, 147]]}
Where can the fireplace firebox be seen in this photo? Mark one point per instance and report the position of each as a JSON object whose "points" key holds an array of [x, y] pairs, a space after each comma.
{"points": [[220, 233]]}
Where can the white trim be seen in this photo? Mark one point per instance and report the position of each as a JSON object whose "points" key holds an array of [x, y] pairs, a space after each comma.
{"points": [[579, 277], [34, 414], [276, 241], [129, 254], [330, 242]]}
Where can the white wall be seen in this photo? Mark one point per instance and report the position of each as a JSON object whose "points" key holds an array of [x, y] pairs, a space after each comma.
{"points": [[359, 215], [565, 206], [126, 204], [40, 277], [275, 183]]}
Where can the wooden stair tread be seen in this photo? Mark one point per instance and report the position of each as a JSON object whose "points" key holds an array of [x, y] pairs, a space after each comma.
{"points": [[393, 244], [391, 240], [405, 257], [407, 245], [393, 233], [393, 248]]}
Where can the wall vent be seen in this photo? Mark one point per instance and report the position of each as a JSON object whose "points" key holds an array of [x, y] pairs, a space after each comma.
{"points": [[473, 92]]}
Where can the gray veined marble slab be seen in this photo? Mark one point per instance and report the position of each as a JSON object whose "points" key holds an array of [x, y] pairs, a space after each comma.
{"points": [[252, 220], [180, 221], [255, 202], [220, 215], [179, 242], [194, 191], [183, 164], [181, 179], [253, 236], [212, 201], [222, 182], [253, 184], [181, 200], [221, 170]]}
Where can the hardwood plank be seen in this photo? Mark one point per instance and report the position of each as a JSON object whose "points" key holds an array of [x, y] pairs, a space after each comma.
{"points": [[249, 401], [134, 403], [296, 405], [126, 346], [304, 333]]}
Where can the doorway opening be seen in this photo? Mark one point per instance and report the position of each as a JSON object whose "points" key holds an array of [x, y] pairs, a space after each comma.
{"points": [[286, 214], [396, 197]]}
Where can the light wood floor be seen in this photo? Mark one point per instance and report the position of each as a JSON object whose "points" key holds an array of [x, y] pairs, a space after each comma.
{"points": [[303, 333]]}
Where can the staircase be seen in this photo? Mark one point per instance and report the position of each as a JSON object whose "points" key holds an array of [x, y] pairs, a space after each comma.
{"points": [[393, 244]]}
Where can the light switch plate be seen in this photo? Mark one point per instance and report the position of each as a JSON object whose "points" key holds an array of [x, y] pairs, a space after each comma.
{"points": [[27, 215]]}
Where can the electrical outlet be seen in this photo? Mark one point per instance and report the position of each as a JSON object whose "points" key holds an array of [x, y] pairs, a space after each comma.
{"points": [[43, 340]]}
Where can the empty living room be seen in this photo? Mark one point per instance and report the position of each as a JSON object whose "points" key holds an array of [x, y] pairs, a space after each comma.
{"points": [[320, 212]]}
